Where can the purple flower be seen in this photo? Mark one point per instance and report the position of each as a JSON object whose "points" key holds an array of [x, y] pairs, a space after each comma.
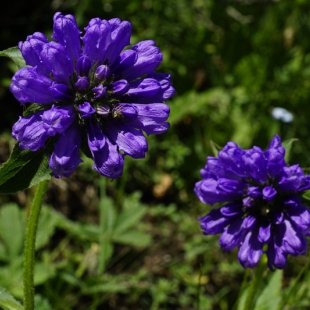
{"points": [[261, 211], [87, 85]]}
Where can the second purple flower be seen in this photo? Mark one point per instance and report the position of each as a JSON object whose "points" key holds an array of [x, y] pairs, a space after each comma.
{"points": [[261, 210], [90, 86]]}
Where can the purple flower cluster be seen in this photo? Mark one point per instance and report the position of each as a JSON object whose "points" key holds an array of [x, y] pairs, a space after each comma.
{"points": [[90, 86], [261, 211]]}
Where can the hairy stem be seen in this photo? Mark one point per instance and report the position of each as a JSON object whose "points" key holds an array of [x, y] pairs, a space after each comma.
{"points": [[29, 250]]}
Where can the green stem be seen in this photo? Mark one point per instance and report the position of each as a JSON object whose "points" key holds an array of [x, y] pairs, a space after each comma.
{"points": [[102, 190], [253, 289], [29, 250]]}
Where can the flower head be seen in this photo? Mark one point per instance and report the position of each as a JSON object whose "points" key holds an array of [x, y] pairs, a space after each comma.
{"points": [[90, 86], [261, 210]]}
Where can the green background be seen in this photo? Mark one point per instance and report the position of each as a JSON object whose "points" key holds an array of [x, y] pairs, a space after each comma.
{"points": [[134, 243]]}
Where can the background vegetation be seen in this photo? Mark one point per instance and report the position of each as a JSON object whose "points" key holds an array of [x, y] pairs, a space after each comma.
{"points": [[134, 243]]}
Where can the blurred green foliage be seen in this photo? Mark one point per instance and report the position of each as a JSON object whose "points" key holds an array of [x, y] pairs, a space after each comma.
{"points": [[139, 246]]}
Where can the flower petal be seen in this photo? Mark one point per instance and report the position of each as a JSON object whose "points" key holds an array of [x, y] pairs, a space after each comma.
{"points": [[66, 32], [275, 157], [151, 117], [255, 164], [86, 110], [30, 132], [57, 119], [293, 242], [97, 39], [277, 257], [250, 251], [130, 141], [83, 65], [214, 222], [54, 57], [108, 161], [95, 136], [120, 37], [269, 193], [148, 59], [65, 157], [232, 235], [30, 86], [31, 50], [264, 232], [213, 191]]}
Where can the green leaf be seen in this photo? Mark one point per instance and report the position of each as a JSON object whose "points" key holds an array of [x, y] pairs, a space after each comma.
{"points": [[84, 145], [105, 288], [41, 303], [108, 214], [46, 227], [306, 195], [196, 103], [15, 55], [215, 148], [271, 295], [106, 251], [242, 299], [80, 231], [43, 272], [288, 146], [11, 276], [8, 302], [107, 221], [128, 218], [11, 220], [135, 238], [25, 169], [3, 253], [34, 107]]}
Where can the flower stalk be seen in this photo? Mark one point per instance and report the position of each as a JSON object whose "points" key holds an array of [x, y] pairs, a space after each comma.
{"points": [[254, 286], [29, 249]]}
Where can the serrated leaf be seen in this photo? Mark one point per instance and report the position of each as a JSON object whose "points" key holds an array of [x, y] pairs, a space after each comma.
{"points": [[288, 147], [15, 55], [271, 295], [11, 219], [24, 169], [8, 302]]}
